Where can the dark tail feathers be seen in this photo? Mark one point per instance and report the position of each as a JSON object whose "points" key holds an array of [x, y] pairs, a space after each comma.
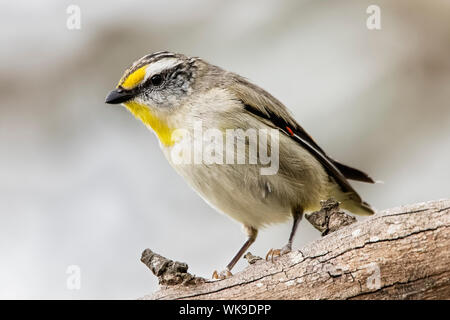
{"points": [[352, 173]]}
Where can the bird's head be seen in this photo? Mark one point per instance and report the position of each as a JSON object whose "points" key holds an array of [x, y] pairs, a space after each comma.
{"points": [[158, 80], [157, 85]]}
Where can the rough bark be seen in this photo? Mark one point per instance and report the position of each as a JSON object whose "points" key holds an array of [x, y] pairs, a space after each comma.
{"points": [[400, 253]]}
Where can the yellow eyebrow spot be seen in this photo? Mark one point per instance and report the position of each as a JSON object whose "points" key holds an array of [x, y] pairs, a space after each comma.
{"points": [[133, 79]]}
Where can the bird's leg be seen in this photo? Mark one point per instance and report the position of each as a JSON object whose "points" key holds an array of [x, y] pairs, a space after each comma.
{"points": [[297, 215], [251, 233]]}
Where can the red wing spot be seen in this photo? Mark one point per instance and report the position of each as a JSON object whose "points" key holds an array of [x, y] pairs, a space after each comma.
{"points": [[290, 131]]}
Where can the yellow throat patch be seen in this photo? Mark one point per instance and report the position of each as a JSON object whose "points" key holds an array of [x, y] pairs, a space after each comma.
{"points": [[142, 112], [162, 130]]}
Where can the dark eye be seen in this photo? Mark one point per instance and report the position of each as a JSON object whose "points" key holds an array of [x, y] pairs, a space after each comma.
{"points": [[156, 80]]}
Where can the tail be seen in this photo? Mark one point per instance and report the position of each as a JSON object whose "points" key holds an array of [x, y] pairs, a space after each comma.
{"points": [[353, 173], [360, 208], [351, 201]]}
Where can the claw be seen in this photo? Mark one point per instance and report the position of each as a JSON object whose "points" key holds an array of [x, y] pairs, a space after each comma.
{"points": [[272, 253], [221, 275], [277, 253]]}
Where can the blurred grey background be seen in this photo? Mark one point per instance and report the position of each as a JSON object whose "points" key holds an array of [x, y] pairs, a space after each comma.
{"points": [[83, 183]]}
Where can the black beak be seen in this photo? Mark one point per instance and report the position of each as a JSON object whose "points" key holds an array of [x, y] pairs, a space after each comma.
{"points": [[118, 96]]}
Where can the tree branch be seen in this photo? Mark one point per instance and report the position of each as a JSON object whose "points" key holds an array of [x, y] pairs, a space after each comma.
{"points": [[400, 253]]}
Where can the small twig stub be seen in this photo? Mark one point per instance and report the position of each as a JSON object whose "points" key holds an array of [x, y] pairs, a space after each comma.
{"points": [[329, 219], [169, 272], [251, 259]]}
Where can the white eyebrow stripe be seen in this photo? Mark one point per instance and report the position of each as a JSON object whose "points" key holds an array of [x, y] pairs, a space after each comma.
{"points": [[158, 66]]}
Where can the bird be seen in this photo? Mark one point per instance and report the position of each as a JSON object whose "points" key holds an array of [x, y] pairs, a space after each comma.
{"points": [[172, 93]]}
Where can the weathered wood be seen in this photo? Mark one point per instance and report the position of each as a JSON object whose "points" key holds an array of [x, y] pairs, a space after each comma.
{"points": [[400, 253]]}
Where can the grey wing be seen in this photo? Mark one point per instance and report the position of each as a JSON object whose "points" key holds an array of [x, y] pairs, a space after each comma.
{"points": [[261, 104]]}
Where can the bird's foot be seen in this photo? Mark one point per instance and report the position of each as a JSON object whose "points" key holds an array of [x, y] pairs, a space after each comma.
{"points": [[222, 274], [277, 252]]}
